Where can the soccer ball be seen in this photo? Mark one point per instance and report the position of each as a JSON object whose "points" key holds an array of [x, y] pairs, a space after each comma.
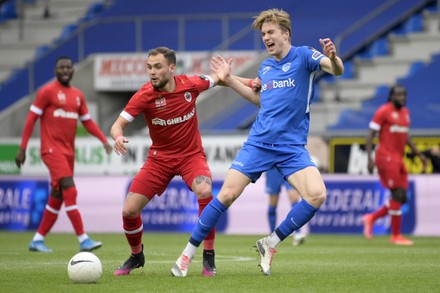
{"points": [[84, 267]]}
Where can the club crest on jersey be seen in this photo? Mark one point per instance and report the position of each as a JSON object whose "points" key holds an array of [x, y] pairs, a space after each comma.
{"points": [[78, 101], [61, 97], [286, 67], [188, 96], [160, 102]]}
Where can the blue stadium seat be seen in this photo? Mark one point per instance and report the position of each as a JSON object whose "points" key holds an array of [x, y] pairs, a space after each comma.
{"points": [[40, 51], [92, 12], [412, 24], [8, 10], [67, 32], [377, 48]]}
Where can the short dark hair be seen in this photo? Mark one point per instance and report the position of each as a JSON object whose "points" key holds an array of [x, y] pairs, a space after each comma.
{"points": [[393, 89], [169, 54], [63, 58]]}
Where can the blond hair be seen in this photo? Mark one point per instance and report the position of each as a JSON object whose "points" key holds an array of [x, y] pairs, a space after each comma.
{"points": [[278, 16]]}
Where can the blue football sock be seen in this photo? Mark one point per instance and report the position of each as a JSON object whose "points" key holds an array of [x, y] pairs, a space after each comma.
{"points": [[272, 217], [299, 215], [207, 221]]}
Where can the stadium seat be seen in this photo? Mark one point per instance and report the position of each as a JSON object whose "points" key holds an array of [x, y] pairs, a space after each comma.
{"points": [[412, 24], [8, 10]]}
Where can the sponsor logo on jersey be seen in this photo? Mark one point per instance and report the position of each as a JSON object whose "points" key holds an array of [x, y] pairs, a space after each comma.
{"points": [[286, 67], [266, 69], [188, 96], [160, 102], [277, 84], [173, 121], [316, 54], [398, 129], [63, 114], [203, 77]]}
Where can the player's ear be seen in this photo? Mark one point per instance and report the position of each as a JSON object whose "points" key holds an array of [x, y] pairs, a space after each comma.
{"points": [[172, 67]]}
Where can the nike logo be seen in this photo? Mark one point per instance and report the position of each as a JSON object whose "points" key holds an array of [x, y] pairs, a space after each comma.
{"points": [[291, 219], [200, 222], [74, 262]]}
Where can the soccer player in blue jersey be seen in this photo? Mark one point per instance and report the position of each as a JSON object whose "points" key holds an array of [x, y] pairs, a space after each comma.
{"points": [[274, 183], [278, 135]]}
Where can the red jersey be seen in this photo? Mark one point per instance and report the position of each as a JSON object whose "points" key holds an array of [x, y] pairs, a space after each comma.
{"points": [[59, 108], [393, 126], [171, 116]]}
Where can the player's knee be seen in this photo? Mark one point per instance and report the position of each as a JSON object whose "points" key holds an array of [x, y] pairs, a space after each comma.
{"points": [[317, 197], [227, 196], [128, 213], [399, 195], [203, 193], [66, 183], [56, 194]]}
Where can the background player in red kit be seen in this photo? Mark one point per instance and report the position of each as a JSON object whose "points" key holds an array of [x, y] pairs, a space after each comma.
{"points": [[59, 106], [168, 104], [392, 121]]}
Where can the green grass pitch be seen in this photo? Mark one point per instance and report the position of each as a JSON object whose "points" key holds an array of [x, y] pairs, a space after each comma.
{"points": [[324, 263]]}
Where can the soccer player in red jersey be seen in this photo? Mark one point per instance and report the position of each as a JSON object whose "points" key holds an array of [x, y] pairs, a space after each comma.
{"points": [[392, 122], [59, 106], [168, 104]]}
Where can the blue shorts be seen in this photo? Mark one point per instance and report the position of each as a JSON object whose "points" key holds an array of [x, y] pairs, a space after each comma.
{"points": [[255, 158], [274, 181]]}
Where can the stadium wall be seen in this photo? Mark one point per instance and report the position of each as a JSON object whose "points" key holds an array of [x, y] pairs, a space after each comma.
{"points": [[22, 201]]}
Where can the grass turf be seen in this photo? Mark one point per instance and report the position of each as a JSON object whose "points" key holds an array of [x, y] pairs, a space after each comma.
{"points": [[325, 263]]}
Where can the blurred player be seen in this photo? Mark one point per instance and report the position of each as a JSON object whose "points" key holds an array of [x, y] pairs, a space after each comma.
{"points": [[59, 106], [278, 135], [392, 122], [168, 104], [274, 182]]}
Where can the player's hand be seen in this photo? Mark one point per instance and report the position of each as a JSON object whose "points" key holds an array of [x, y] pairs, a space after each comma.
{"points": [[221, 67], [256, 84], [108, 148], [328, 48], [119, 146], [20, 158], [370, 166]]}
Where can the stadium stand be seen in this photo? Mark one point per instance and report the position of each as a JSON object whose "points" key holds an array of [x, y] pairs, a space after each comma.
{"points": [[414, 65], [201, 26]]}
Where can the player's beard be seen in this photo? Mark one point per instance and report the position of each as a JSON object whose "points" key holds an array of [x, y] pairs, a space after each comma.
{"points": [[161, 84]]}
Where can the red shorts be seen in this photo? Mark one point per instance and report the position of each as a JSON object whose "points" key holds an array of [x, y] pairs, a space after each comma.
{"points": [[156, 174], [59, 165], [392, 172]]}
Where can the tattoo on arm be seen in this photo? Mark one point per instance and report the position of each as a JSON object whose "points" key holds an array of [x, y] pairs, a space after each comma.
{"points": [[201, 179]]}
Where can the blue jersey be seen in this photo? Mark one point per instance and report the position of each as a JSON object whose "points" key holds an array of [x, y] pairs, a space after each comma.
{"points": [[285, 97]]}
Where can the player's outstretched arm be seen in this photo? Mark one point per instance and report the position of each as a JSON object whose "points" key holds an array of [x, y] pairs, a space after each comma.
{"points": [[222, 69], [332, 64]]}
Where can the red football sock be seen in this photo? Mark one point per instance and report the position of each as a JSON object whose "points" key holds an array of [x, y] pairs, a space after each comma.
{"points": [[208, 243], [133, 228], [380, 213], [396, 217], [50, 215], [72, 211]]}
